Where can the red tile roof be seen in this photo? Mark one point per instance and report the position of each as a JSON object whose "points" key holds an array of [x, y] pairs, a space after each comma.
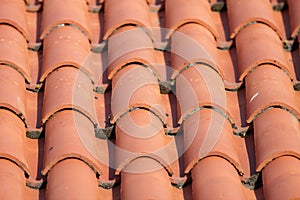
{"points": [[156, 99]]}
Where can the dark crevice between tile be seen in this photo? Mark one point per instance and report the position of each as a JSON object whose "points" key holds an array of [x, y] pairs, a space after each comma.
{"points": [[174, 129], [162, 46], [34, 87], [188, 181], [101, 21], [105, 133], [99, 48], [250, 154], [102, 89], [181, 179], [107, 185], [178, 182], [296, 62], [278, 5], [35, 46], [33, 8], [232, 87], [95, 8], [225, 25], [35, 133], [286, 21], [36, 6], [224, 45], [253, 182], [156, 6], [167, 87], [217, 5], [290, 45], [36, 185], [38, 25], [104, 86]]}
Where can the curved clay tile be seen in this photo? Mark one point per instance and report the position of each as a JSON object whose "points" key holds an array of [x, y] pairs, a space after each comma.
{"points": [[13, 185], [208, 133], [72, 179], [136, 87], [271, 127], [281, 178], [58, 13], [216, 178], [66, 46], [130, 45], [13, 140], [13, 13], [12, 92], [200, 86], [13, 51], [294, 10], [180, 13], [244, 12], [193, 43], [267, 49], [148, 185], [267, 86], [68, 88], [126, 12], [70, 135], [145, 131]]}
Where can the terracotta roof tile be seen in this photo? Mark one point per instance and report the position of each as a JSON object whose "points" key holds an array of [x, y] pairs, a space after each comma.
{"points": [[136, 87], [61, 184], [62, 40], [264, 91], [126, 12], [152, 184], [266, 50], [13, 96], [271, 127], [244, 13], [215, 172], [281, 178], [72, 13], [13, 13], [67, 133], [209, 122], [12, 178], [68, 88], [13, 140], [149, 99], [128, 131], [294, 7], [17, 59], [136, 47], [194, 12]]}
